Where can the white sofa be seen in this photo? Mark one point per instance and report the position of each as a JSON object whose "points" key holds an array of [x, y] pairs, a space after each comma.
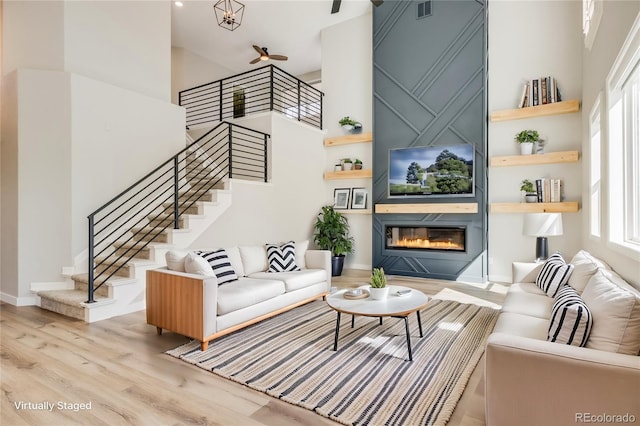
{"points": [[196, 306], [532, 381]]}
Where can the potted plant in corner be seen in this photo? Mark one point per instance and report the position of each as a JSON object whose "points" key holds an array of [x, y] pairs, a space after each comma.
{"points": [[331, 232], [530, 194], [526, 139], [379, 289]]}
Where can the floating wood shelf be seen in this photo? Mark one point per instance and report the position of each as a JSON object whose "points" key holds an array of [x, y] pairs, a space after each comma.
{"points": [[563, 107], [348, 174], [525, 160], [345, 140], [563, 207], [428, 208], [356, 211]]}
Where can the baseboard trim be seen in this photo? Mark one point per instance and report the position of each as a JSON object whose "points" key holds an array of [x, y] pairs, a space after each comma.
{"points": [[20, 301]]}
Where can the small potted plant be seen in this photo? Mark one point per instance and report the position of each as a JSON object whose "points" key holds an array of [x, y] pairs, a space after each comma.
{"points": [[331, 232], [379, 289], [347, 164], [530, 194], [526, 139], [347, 124], [357, 164], [338, 167]]}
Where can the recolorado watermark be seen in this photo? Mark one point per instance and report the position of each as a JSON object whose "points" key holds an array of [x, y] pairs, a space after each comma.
{"points": [[604, 418], [51, 405]]}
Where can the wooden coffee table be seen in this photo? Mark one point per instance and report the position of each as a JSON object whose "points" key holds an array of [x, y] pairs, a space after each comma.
{"points": [[393, 306]]}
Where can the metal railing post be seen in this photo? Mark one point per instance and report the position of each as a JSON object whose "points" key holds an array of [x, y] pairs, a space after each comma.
{"points": [[266, 169], [299, 103], [175, 192], [90, 261], [230, 152], [321, 111], [271, 88], [220, 106]]}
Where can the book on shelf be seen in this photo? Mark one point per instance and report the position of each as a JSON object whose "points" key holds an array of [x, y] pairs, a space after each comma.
{"points": [[549, 190], [539, 91]]}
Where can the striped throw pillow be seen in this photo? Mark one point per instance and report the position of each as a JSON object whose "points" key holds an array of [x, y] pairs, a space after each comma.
{"points": [[282, 258], [554, 274], [571, 320], [221, 265]]}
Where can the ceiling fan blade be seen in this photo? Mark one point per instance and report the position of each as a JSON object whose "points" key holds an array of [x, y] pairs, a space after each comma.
{"points": [[255, 61], [278, 57], [259, 50], [377, 3], [335, 7]]}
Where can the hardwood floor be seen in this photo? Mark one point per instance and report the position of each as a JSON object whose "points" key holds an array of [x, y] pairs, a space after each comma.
{"points": [[118, 366]]}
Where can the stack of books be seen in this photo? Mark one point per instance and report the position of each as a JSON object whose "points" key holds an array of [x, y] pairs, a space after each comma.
{"points": [[549, 190], [540, 91]]}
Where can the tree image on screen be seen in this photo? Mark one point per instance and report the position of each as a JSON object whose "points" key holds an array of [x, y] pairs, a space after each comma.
{"points": [[449, 173]]}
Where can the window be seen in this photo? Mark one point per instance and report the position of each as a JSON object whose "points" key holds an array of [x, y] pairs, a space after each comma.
{"points": [[594, 169], [591, 14], [623, 104]]}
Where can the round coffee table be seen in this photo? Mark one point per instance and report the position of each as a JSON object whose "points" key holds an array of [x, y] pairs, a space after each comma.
{"points": [[395, 305]]}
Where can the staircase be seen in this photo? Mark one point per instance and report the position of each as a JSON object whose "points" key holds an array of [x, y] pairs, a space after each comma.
{"points": [[167, 209]]}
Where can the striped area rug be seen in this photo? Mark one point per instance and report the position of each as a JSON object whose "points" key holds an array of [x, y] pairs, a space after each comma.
{"points": [[369, 380]]}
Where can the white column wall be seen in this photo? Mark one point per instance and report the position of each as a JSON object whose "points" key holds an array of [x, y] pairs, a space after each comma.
{"points": [[519, 51], [189, 70], [617, 18], [347, 84]]}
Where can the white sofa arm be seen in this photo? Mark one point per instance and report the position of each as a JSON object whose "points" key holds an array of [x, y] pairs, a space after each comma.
{"points": [[535, 382], [319, 259], [183, 303], [524, 272]]}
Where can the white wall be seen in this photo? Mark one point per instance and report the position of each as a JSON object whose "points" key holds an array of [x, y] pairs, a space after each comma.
{"points": [[347, 84], [517, 53], [617, 18], [189, 70], [284, 209]]}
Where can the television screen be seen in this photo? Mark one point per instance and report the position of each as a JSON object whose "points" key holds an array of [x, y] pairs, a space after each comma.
{"points": [[431, 171]]}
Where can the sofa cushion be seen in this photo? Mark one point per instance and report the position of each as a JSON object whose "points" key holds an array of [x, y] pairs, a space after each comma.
{"points": [[219, 262], [536, 305], [301, 251], [295, 280], [584, 266], [195, 264], [571, 319], [530, 288], [522, 325], [554, 274], [236, 260], [246, 292], [254, 259], [615, 307], [175, 260], [282, 258]]}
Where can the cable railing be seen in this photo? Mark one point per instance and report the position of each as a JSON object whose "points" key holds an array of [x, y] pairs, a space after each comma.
{"points": [[127, 224], [267, 88]]}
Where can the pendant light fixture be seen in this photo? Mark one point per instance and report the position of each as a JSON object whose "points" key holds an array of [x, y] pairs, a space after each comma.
{"points": [[229, 13]]}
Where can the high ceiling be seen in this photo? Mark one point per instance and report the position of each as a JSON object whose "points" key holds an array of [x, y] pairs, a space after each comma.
{"points": [[289, 27]]}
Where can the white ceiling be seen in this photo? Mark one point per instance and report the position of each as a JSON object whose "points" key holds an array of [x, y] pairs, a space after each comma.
{"points": [[285, 27]]}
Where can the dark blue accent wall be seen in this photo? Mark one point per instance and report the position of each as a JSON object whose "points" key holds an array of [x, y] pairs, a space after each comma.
{"points": [[429, 79]]}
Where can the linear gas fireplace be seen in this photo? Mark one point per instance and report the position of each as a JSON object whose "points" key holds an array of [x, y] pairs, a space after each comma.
{"points": [[425, 238]]}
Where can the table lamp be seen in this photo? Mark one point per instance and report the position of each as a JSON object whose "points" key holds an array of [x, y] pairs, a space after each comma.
{"points": [[542, 225]]}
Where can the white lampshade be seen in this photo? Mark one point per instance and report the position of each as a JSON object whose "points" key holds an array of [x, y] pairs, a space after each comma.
{"points": [[542, 224]]}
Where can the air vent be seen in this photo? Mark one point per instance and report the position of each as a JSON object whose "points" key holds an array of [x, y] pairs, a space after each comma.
{"points": [[424, 9]]}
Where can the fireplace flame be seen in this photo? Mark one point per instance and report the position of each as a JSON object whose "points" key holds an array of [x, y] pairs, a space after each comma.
{"points": [[426, 244]]}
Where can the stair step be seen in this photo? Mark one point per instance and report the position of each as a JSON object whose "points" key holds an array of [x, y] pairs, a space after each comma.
{"points": [[133, 246], [168, 208], [66, 302], [161, 221], [123, 267], [161, 237], [197, 184]]}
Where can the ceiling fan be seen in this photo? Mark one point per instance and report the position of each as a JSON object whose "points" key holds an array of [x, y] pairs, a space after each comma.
{"points": [[265, 56], [335, 7]]}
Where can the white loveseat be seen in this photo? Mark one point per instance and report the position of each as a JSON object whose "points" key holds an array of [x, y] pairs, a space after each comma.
{"points": [[196, 306], [532, 381]]}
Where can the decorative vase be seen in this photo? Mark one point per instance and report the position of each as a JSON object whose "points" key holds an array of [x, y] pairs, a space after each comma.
{"points": [[379, 293], [347, 166], [337, 263], [338, 168], [526, 148]]}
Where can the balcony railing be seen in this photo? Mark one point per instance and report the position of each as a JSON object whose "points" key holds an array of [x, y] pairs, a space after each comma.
{"points": [[127, 224], [266, 88]]}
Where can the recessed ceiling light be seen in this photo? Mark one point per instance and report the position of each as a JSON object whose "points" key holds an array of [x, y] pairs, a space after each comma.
{"points": [[179, 3]]}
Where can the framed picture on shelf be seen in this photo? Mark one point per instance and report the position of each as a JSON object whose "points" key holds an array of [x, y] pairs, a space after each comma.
{"points": [[341, 198], [358, 198]]}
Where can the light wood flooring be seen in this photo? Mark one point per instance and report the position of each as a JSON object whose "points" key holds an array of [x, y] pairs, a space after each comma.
{"points": [[119, 366]]}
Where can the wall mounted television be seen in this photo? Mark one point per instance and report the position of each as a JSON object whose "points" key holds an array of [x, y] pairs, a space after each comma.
{"points": [[431, 171]]}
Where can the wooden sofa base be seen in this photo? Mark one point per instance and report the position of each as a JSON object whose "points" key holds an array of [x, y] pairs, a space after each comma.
{"points": [[204, 344]]}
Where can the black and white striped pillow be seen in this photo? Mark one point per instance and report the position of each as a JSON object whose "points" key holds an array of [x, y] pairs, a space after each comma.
{"points": [[282, 258], [554, 274], [220, 264], [571, 319]]}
